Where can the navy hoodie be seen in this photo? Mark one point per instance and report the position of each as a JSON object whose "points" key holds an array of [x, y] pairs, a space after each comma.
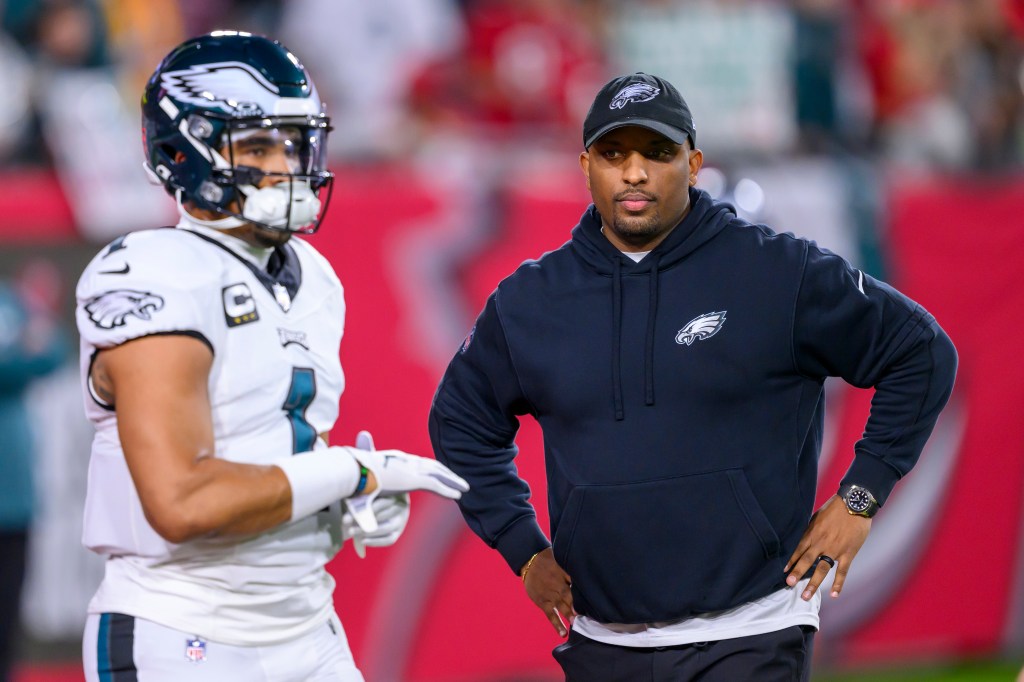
{"points": [[681, 401]]}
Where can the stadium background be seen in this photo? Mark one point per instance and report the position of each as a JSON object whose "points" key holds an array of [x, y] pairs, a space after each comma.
{"points": [[891, 131]]}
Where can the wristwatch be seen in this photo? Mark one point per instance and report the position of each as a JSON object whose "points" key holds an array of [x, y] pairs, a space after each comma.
{"points": [[859, 500]]}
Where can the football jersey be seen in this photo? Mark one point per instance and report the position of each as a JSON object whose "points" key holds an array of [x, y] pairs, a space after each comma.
{"points": [[274, 386]]}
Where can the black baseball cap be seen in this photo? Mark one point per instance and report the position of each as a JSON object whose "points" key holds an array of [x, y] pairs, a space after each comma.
{"points": [[639, 99]]}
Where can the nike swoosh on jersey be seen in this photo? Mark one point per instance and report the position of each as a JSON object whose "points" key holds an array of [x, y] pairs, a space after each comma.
{"points": [[122, 271]]}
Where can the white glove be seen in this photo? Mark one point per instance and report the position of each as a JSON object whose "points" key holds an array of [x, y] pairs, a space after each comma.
{"points": [[392, 514], [398, 472]]}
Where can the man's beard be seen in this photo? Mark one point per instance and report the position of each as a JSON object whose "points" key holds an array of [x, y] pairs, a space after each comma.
{"points": [[636, 230], [268, 239]]}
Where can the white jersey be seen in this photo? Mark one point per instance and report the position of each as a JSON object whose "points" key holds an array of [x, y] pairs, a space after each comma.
{"points": [[274, 385]]}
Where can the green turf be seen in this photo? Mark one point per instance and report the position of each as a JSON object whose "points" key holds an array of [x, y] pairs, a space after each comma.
{"points": [[995, 671]]}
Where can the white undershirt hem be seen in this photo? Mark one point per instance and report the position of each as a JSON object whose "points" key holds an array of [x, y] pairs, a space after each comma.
{"points": [[776, 611]]}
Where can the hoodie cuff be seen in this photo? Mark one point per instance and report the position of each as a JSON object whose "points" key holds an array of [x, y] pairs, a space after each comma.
{"points": [[868, 471], [521, 541]]}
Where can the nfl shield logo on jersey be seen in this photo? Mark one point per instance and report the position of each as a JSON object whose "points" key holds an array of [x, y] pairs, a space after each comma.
{"points": [[195, 650]]}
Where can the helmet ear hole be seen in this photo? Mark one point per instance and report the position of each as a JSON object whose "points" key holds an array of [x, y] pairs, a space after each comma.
{"points": [[173, 155]]}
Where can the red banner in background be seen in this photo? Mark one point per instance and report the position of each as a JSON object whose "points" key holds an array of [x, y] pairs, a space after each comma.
{"points": [[34, 209], [940, 578]]}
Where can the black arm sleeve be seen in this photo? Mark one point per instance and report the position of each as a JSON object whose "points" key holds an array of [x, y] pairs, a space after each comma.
{"points": [[850, 325], [473, 423]]}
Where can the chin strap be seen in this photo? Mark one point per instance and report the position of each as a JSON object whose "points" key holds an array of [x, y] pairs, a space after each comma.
{"points": [[225, 223]]}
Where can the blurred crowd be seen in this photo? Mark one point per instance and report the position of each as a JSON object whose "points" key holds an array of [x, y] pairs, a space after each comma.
{"points": [[935, 84], [32, 345]]}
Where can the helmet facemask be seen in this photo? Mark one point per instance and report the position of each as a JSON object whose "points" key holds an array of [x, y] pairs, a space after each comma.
{"points": [[270, 172]]}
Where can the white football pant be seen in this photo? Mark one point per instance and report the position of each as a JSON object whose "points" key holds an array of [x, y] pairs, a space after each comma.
{"points": [[120, 648]]}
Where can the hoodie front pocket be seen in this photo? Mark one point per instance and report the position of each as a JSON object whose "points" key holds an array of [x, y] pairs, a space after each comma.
{"points": [[662, 550]]}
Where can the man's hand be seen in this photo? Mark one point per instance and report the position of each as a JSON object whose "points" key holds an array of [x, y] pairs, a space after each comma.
{"points": [[835, 533], [392, 514], [548, 586]]}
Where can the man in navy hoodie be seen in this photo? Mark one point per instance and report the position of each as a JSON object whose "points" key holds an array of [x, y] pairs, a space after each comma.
{"points": [[674, 356]]}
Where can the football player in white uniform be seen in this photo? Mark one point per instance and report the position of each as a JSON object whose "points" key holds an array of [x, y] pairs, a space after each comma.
{"points": [[211, 372]]}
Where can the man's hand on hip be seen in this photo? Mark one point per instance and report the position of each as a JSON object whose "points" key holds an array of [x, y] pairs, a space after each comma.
{"points": [[833, 534], [549, 588]]}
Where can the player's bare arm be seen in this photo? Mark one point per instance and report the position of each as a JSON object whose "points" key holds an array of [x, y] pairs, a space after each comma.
{"points": [[548, 586], [159, 387], [835, 533]]}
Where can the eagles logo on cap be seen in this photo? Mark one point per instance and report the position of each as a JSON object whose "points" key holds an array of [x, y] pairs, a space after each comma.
{"points": [[639, 99], [638, 92]]}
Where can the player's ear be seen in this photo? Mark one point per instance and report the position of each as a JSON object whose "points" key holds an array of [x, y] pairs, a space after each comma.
{"points": [[585, 165], [696, 161]]}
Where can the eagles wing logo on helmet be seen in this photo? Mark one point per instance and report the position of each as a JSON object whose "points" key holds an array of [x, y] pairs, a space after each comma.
{"points": [[637, 92], [702, 327], [234, 87], [111, 308]]}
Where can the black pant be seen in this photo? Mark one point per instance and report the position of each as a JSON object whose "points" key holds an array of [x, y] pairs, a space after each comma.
{"points": [[783, 656], [13, 545]]}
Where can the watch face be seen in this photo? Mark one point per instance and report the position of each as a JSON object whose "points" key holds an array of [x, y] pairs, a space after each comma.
{"points": [[858, 500]]}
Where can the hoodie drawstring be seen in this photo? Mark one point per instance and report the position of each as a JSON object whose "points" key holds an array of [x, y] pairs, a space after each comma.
{"points": [[617, 339], [652, 309]]}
